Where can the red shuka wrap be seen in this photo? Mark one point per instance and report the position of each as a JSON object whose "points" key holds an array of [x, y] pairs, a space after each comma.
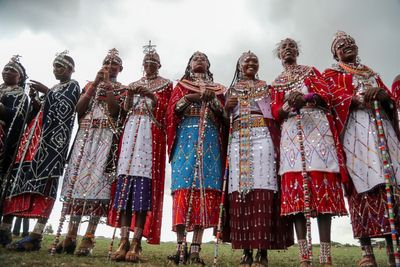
{"points": [[290, 205], [152, 227]]}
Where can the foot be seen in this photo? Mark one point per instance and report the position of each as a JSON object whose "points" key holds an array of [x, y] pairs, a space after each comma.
{"points": [[28, 243], [246, 260], [367, 261], [68, 246], [85, 247], [120, 253], [5, 237], [134, 252], [305, 264], [175, 259], [260, 260], [194, 259]]}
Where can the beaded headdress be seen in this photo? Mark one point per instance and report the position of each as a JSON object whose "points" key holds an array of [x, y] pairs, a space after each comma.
{"points": [[64, 61], [245, 55], [150, 54], [15, 65], [340, 35], [112, 56]]}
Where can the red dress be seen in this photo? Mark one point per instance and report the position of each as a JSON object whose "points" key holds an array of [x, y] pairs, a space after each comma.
{"points": [[326, 194], [152, 227], [368, 210]]}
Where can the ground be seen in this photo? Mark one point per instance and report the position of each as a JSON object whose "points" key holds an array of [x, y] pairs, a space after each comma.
{"points": [[157, 255]]}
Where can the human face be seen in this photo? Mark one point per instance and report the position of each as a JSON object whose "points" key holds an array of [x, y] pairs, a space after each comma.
{"points": [[346, 50], [250, 67], [114, 68], [150, 68], [61, 73], [10, 76], [199, 63], [288, 51]]}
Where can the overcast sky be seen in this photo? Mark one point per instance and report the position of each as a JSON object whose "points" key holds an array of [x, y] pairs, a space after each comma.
{"points": [[223, 29]]}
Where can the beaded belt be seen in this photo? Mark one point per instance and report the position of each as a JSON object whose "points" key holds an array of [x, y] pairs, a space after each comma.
{"points": [[95, 123], [195, 112], [253, 122]]}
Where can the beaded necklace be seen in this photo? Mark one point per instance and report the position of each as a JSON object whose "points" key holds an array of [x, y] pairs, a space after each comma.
{"points": [[291, 78], [246, 91]]}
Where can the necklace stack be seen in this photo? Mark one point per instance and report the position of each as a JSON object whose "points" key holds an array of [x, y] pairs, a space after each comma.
{"points": [[291, 78]]}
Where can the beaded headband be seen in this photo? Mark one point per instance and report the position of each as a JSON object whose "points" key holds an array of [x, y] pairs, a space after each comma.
{"points": [[246, 55], [15, 65], [63, 61], [340, 35], [113, 56]]}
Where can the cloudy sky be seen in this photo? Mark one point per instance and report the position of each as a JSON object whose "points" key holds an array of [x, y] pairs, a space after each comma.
{"points": [[223, 29]]}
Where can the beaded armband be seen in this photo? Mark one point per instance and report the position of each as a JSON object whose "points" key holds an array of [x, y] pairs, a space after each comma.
{"points": [[286, 107], [181, 105]]}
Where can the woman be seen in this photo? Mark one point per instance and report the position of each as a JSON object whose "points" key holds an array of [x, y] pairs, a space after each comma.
{"points": [[301, 102], [141, 167], [13, 109], [42, 153], [355, 87], [194, 122], [92, 162], [253, 181]]}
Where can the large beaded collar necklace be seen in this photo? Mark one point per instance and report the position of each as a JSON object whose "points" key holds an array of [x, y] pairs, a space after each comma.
{"points": [[359, 70], [254, 89], [291, 78], [154, 85]]}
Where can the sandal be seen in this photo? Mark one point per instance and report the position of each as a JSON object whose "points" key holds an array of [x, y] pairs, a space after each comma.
{"points": [[85, 247], [176, 258], [134, 252], [27, 243], [367, 261], [120, 253]]}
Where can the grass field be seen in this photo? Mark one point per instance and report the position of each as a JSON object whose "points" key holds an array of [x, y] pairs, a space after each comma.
{"points": [[156, 256]]}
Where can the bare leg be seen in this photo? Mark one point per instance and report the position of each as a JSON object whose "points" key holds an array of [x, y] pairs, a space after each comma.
{"points": [[301, 232], [180, 238], [195, 247], [324, 227], [390, 251], [87, 243], [135, 247], [368, 257]]}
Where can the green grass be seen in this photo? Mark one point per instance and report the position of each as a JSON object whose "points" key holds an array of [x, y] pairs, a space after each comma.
{"points": [[156, 256]]}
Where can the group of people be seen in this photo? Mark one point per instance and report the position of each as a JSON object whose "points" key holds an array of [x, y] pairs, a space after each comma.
{"points": [[249, 160]]}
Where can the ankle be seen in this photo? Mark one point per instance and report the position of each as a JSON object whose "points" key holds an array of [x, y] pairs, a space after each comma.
{"points": [[325, 253]]}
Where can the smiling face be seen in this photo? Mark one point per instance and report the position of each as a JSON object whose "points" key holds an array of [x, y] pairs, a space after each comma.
{"points": [[346, 50], [249, 66], [288, 51], [10, 76]]}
